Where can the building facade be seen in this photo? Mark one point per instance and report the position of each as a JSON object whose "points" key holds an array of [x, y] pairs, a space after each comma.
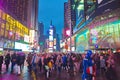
{"points": [[41, 36], [101, 26], [17, 22]]}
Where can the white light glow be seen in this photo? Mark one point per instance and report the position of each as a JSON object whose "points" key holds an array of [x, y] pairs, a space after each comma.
{"points": [[23, 47], [68, 32]]}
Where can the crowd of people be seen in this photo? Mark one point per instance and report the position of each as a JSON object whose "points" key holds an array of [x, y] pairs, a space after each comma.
{"points": [[16, 58], [89, 65], [102, 64]]}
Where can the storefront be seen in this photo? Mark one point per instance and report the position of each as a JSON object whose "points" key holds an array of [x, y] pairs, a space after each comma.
{"points": [[105, 31], [82, 41]]}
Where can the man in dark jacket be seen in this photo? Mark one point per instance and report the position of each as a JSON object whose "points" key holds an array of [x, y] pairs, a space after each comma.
{"points": [[1, 62], [13, 61], [7, 60]]}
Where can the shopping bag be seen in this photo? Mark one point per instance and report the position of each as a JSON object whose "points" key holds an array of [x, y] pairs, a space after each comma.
{"points": [[19, 71]]}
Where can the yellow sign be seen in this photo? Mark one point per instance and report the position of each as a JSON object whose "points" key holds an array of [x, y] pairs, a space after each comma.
{"points": [[15, 26]]}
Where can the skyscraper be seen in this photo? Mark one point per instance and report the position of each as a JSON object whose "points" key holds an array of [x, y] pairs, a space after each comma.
{"points": [[66, 15], [33, 14], [25, 11], [41, 29], [41, 36], [71, 15], [20, 14], [17, 9]]}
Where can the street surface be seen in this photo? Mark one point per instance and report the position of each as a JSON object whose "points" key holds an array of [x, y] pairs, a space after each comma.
{"points": [[25, 75]]}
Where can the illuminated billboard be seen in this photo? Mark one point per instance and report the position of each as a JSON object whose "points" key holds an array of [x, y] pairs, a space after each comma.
{"points": [[80, 12], [26, 38], [23, 47], [54, 41], [50, 44], [50, 38], [32, 35], [51, 32], [106, 36], [82, 41], [8, 44], [11, 24], [80, 15], [90, 9]]}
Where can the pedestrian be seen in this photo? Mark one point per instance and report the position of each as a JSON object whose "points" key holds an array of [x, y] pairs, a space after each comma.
{"points": [[46, 68], [7, 60], [13, 61], [88, 67], [35, 63], [29, 61], [1, 62], [110, 72], [18, 62], [71, 65], [102, 65], [58, 64], [64, 59], [40, 63], [22, 57]]}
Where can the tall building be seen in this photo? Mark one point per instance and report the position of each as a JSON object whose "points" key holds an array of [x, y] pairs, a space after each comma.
{"points": [[66, 24], [25, 11], [52, 41], [41, 29], [17, 9], [71, 15], [32, 21], [42, 38], [33, 14], [20, 17], [57, 42]]}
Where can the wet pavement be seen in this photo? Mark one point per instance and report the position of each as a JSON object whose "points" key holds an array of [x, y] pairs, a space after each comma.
{"points": [[25, 75]]}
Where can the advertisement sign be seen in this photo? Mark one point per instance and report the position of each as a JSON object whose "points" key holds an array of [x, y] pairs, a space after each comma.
{"points": [[106, 5], [90, 7], [51, 44], [54, 41], [50, 38], [8, 44], [82, 41], [51, 32], [23, 47], [32, 35], [26, 38], [105, 36], [80, 17]]}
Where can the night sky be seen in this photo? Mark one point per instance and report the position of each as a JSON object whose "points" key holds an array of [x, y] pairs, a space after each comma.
{"points": [[52, 10]]}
